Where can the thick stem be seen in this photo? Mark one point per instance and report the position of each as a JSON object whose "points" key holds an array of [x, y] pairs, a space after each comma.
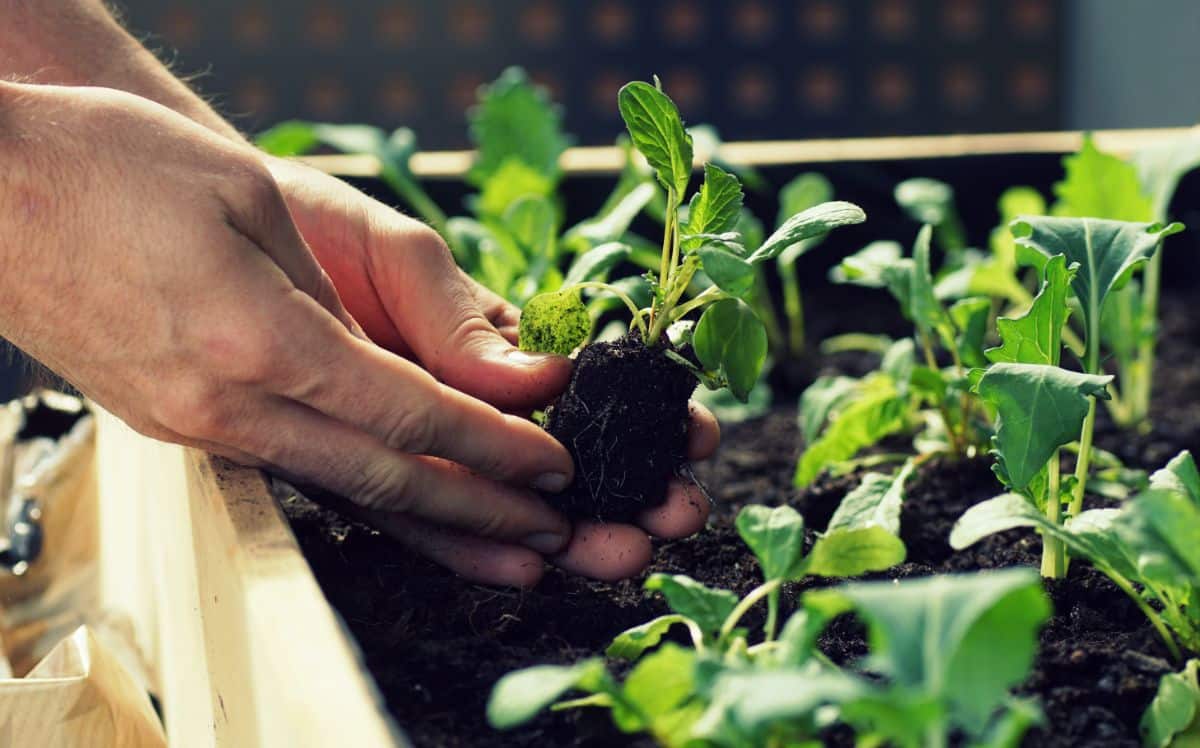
{"points": [[1084, 458], [1053, 552], [772, 615]]}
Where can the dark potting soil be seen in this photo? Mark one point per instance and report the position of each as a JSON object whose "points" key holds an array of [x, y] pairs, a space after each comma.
{"points": [[623, 418], [436, 644]]}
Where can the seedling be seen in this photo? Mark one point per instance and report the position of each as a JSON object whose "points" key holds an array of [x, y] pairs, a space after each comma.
{"points": [[624, 413], [724, 690]]}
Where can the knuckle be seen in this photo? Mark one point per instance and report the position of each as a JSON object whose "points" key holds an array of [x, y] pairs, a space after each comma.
{"points": [[195, 410], [413, 429], [245, 353], [385, 487], [493, 524]]}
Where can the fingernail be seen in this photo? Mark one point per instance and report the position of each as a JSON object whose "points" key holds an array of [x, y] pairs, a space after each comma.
{"points": [[525, 358], [544, 542], [550, 482]]}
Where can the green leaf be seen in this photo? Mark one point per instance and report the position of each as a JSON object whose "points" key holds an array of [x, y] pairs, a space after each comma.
{"points": [[630, 643], [730, 339], [1163, 530], [1161, 167], [1036, 336], [555, 322], [510, 182], [288, 139], [613, 220], [926, 201], [1179, 475], [594, 264], [776, 537], [1170, 720], [961, 639], [816, 221], [716, 207], [730, 273], [515, 121], [1106, 251], [878, 411], [970, 317], [819, 400], [880, 264], [996, 276], [1040, 408], [519, 696], [657, 132], [927, 311], [805, 191], [657, 686], [706, 606], [875, 502], [1098, 185], [850, 552]]}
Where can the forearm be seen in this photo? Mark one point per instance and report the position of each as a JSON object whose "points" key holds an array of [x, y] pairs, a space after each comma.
{"points": [[78, 42]]}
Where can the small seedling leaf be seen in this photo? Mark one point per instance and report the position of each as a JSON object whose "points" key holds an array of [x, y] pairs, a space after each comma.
{"points": [[706, 606], [730, 273], [1036, 336], [515, 120], [716, 207], [519, 696], [816, 221], [875, 502], [730, 339], [775, 535], [657, 132], [595, 264], [850, 552], [1171, 717], [630, 643]]}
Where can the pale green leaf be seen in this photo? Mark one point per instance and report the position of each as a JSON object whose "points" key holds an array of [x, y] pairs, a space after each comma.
{"points": [[1161, 167], [819, 400], [1099, 185], [519, 696], [287, 139], [595, 264], [657, 686], [875, 502], [850, 552], [512, 180], [970, 317], [926, 201], [774, 535], [706, 606], [816, 221], [515, 121], [657, 132], [1179, 475], [629, 644], [877, 411], [613, 220]]}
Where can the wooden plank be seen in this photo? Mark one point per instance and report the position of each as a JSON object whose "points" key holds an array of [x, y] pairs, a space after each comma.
{"points": [[247, 651], [600, 160]]}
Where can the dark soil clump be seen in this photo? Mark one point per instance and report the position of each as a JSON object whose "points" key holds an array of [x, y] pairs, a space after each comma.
{"points": [[624, 420]]}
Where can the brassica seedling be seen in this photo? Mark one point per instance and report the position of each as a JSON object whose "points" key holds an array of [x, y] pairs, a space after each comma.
{"points": [[729, 340]]}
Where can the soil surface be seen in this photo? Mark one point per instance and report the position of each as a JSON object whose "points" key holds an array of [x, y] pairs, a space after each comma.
{"points": [[436, 644], [624, 420]]}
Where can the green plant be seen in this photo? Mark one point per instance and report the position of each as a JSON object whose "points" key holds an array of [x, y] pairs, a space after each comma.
{"points": [[944, 651], [729, 340], [1170, 720]]}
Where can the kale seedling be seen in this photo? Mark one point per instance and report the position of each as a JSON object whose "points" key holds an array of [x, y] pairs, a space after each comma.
{"points": [[624, 413]]}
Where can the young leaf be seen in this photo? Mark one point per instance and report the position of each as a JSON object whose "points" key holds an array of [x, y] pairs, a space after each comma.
{"points": [[823, 397], [927, 311], [555, 322], [815, 221], [510, 182], [1036, 336], [926, 201], [1040, 409], [805, 191], [776, 536], [706, 606], [875, 502], [515, 120], [1171, 717], [657, 687], [596, 262], [716, 207], [611, 223], [287, 139], [630, 643], [850, 552], [730, 339], [520, 695], [1179, 475], [1101, 186], [877, 411], [970, 317], [1106, 251], [730, 273], [962, 639], [657, 131]]}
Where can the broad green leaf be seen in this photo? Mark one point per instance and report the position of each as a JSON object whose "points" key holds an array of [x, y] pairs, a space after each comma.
{"points": [[519, 696], [611, 223], [287, 139], [926, 201], [1106, 251], [1036, 336], [815, 221], [730, 273], [630, 643], [716, 207], [555, 322], [877, 411], [962, 639], [657, 131], [875, 502], [776, 536], [706, 606], [515, 121], [510, 182], [1163, 530], [1040, 408], [1161, 167], [1180, 475], [656, 687], [819, 400], [1099, 185], [850, 552], [594, 264], [1170, 720], [970, 317], [731, 340]]}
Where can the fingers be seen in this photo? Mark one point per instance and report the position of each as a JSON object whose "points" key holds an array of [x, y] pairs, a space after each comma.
{"points": [[437, 310], [310, 447], [608, 552], [683, 513], [704, 433]]}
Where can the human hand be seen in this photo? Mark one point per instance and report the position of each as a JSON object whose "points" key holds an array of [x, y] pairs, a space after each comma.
{"points": [[382, 263]]}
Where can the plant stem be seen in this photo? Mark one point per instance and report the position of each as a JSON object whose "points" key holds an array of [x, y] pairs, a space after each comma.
{"points": [[956, 446], [793, 307], [1139, 399], [772, 615], [1084, 458], [624, 297], [1053, 552], [1149, 612], [709, 295], [747, 602]]}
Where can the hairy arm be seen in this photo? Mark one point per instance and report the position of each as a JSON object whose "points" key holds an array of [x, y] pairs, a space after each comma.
{"points": [[80, 43]]}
